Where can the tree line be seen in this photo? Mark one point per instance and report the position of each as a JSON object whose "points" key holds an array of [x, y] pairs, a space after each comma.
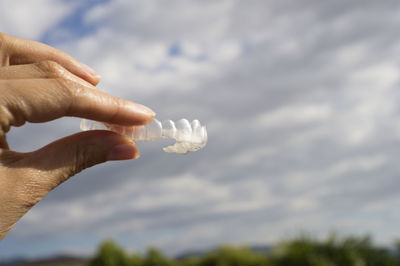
{"points": [[302, 251]]}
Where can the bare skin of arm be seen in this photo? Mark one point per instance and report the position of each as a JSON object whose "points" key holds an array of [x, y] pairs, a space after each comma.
{"points": [[39, 83]]}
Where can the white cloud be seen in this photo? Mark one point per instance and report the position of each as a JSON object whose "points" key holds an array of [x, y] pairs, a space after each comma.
{"points": [[294, 115], [301, 102], [31, 19]]}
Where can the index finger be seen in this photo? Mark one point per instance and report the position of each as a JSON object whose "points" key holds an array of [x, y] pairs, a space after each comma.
{"points": [[21, 51], [44, 99]]}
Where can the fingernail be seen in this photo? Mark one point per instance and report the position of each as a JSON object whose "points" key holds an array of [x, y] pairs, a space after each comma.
{"points": [[124, 151], [90, 71]]}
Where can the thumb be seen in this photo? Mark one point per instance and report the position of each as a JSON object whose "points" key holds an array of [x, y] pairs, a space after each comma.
{"points": [[66, 157], [25, 178]]}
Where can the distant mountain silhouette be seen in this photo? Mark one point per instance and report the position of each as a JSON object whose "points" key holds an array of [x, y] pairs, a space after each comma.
{"points": [[61, 260], [69, 260]]}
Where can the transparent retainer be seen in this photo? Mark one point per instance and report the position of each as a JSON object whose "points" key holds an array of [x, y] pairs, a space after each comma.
{"points": [[189, 137]]}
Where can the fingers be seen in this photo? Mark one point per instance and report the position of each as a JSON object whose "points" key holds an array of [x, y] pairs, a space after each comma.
{"points": [[3, 142], [44, 100], [21, 51], [41, 100], [42, 70], [58, 161], [24, 72], [28, 177]]}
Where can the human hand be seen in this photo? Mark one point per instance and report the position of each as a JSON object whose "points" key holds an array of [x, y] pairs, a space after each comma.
{"points": [[39, 83]]}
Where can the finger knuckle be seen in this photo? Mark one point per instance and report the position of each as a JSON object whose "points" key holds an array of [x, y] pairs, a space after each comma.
{"points": [[51, 69], [73, 92], [83, 158]]}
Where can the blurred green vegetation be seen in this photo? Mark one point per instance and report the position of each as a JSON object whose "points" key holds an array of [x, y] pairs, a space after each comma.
{"points": [[302, 251]]}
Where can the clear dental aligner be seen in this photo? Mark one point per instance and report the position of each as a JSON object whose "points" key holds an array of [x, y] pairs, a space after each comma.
{"points": [[189, 136]]}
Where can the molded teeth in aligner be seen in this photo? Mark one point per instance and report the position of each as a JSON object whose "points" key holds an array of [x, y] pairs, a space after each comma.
{"points": [[169, 129], [153, 130], [183, 130], [188, 136]]}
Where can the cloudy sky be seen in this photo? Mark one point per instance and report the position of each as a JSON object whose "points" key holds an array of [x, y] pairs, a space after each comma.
{"points": [[302, 104]]}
